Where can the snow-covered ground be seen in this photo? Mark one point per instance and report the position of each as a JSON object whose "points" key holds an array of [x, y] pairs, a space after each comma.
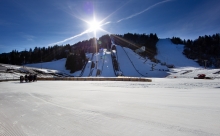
{"points": [[144, 65], [171, 54], [103, 62], [98, 61], [168, 107], [5, 76], [175, 105], [14, 72], [191, 72], [87, 69], [58, 65], [107, 69], [125, 64], [130, 64]]}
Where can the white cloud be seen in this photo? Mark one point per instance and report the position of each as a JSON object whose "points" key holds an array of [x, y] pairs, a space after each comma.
{"points": [[70, 38], [136, 14], [27, 37]]}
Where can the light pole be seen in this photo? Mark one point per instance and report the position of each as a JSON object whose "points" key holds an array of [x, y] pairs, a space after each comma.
{"points": [[219, 38], [24, 59], [41, 59], [205, 63], [218, 62]]}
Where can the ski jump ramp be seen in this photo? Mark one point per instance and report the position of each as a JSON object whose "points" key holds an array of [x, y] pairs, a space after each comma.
{"points": [[125, 64]]}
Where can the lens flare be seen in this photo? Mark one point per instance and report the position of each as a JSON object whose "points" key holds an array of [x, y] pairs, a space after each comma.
{"points": [[94, 25]]}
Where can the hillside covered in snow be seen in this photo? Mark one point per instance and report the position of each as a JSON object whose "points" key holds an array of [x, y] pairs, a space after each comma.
{"points": [[123, 61], [132, 64], [172, 54]]}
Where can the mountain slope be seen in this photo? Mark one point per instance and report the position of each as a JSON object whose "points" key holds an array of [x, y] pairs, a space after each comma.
{"points": [[125, 64], [87, 69], [107, 69], [171, 54], [131, 64], [55, 65], [144, 65]]}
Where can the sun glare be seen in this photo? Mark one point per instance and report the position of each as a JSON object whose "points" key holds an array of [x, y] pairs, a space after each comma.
{"points": [[94, 25]]}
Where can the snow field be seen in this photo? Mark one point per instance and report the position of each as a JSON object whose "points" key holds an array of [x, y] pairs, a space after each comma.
{"points": [[169, 107], [172, 54], [87, 69], [125, 64], [131, 64], [104, 64], [191, 72], [107, 69], [58, 65], [144, 65]]}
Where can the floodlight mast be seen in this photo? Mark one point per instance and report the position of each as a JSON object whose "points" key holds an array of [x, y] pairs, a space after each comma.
{"points": [[24, 59], [205, 63], [41, 58]]}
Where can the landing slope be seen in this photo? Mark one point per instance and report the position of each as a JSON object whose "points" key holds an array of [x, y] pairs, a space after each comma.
{"points": [[87, 69], [58, 65], [172, 54], [144, 65], [107, 69], [125, 64]]}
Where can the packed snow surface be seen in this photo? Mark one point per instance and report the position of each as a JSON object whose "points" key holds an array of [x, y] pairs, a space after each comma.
{"points": [[172, 54], [125, 64], [87, 69], [107, 68], [102, 61], [168, 107], [130, 64], [55, 65], [144, 66]]}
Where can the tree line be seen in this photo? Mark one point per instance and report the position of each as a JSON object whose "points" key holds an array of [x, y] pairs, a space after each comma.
{"points": [[77, 59], [75, 53], [204, 48], [135, 41], [36, 55]]}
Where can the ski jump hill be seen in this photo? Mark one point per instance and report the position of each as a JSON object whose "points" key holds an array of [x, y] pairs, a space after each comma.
{"points": [[130, 65]]}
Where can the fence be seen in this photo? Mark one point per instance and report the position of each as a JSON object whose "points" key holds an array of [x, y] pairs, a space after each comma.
{"points": [[97, 79]]}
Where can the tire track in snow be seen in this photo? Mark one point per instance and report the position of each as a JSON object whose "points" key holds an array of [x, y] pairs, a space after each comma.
{"points": [[92, 120], [8, 127], [51, 103], [120, 118]]}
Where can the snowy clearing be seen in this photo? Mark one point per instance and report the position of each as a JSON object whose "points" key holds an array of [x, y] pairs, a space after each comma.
{"points": [[170, 53], [168, 107]]}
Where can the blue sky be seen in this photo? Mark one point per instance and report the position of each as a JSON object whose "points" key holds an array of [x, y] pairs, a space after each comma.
{"points": [[26, 24]]}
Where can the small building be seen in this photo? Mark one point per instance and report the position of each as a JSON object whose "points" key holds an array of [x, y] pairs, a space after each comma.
{"points": [[142, 49]]}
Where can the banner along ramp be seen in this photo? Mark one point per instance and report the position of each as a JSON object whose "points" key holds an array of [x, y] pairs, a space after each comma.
{"points": [[144, 66], [98, 61], [125, 64], [89, 56], [87, 69], [107, 67]]}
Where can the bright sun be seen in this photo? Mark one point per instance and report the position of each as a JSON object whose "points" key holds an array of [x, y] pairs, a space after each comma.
{"points": [[94, 25]]}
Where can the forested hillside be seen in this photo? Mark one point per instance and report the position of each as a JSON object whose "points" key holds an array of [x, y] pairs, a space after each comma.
{"points": [[135, 41], [75, 53], [205, 49], [35, 55]]}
